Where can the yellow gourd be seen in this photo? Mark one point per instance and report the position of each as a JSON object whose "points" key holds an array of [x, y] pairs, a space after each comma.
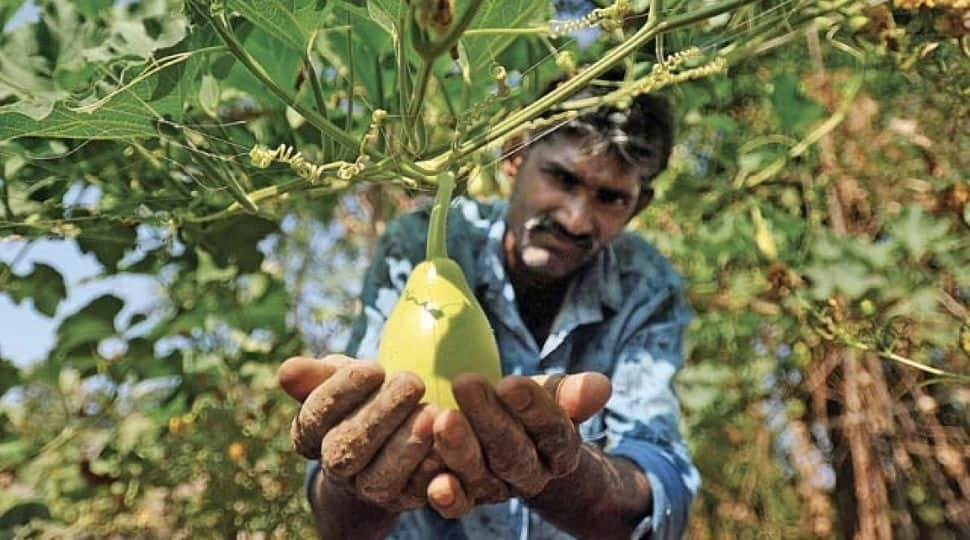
{"points": [[437, 329]]}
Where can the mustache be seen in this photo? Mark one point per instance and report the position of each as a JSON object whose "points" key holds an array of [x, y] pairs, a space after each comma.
{"points": [[545, 223]]}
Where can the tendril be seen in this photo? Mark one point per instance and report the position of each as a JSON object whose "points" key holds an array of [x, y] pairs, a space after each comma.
{"points": [[263, 157]]}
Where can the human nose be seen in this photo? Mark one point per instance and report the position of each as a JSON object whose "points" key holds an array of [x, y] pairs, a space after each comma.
{"points": [[577, 215]]}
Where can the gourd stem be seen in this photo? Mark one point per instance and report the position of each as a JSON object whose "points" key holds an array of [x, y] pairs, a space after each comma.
{"points": [[437, 228]]}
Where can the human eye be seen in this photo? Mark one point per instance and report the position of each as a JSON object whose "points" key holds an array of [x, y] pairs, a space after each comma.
{"points": [[612, 198], [562, 177]]}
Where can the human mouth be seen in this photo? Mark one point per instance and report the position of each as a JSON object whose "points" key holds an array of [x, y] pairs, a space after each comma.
{"points": [[552, 235], [545, 227], [558, 242]]}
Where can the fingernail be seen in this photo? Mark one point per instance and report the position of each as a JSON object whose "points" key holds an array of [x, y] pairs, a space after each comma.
{"points": [[443, 497]]}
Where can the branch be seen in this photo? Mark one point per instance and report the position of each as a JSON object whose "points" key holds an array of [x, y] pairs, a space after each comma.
{"points": [[316, 119], [617, 54], [429, 54]]}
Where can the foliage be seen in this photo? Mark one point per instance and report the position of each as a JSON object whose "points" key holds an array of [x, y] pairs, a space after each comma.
{"points": [[818, 210]]}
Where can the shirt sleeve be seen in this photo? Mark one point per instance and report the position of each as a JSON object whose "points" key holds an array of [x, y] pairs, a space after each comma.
{"points": [[642, 416]]}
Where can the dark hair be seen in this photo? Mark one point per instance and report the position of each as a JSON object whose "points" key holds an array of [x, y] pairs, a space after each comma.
{"points": [[641, 135]]}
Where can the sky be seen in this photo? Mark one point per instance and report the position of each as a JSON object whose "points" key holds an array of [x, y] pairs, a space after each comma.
{"points": [[26, 336], [27, 13]]}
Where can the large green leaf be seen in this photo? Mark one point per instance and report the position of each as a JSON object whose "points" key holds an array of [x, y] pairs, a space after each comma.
{"points": [[484, 50], [75, 46], [366, 45], [290, 21], [131, 110], [280, 63]]}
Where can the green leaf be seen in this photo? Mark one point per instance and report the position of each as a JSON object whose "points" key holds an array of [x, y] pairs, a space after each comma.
{"points": [[23, 513], [234, 241], [269, 312], [73, 47], [89, 325], [92, 8], [9, 375], [378, 12], [108, 242], [793, 109], [916, 231], [369, 43], [140, 358], [44, 285], [290, 21], [14, 453], [389, 12], [484, 50], [134, 429], [129, 111], [280, 63], [140, 31], [25, 75], [851, 278]]}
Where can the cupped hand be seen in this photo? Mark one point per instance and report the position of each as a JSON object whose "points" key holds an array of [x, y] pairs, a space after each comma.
{"points": [[510, 439], [372, 436]]}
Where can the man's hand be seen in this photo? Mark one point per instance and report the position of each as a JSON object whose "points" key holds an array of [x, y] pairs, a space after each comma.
{"points": [[514, 438], [374, 435]]}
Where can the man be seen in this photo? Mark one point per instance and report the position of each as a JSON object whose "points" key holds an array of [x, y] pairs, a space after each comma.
{"points": [[566, 292]]}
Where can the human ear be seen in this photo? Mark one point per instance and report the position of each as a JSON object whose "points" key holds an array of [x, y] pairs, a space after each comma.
{"points": [[510, 165]]}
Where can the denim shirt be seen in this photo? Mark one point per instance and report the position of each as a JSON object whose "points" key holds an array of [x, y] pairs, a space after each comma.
{"points": [[624, 315]]}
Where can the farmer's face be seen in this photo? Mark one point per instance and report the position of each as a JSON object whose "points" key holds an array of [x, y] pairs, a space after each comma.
{"points": [[567, 204]]}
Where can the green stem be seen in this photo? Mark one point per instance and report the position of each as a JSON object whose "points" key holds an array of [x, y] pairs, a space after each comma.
{"points": [[403, 73], [258, 195], [315, 118], [7, 211], [317, 98], [435, 50], [437, 227], [349, 121], [446, 97], [538, 30], [379, 79], [654, 14], [755, 42], [228, 180], [424, 76]]}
